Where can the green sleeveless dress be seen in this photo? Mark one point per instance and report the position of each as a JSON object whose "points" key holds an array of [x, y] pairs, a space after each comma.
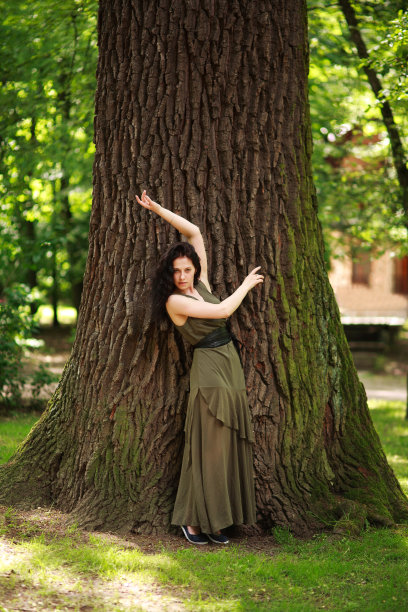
{"points": [[216, 487]]}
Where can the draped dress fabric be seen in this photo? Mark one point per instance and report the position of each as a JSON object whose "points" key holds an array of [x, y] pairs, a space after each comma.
{"points": [[216, 487]]}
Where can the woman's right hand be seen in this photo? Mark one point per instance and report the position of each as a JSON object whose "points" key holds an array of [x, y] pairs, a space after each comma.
{"points": [[146, 202], [253, 279]]}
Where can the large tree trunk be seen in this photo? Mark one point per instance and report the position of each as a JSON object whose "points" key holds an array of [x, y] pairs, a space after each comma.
{"points": [[205, 105]]}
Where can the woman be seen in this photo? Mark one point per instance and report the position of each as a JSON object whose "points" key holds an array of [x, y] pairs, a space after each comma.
{"points": [[216, 487]]}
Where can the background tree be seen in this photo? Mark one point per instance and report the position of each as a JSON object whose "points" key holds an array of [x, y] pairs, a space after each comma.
{"points": [[48, 57], [47, 70], [358, 190], [206, 105], [397, 149]]}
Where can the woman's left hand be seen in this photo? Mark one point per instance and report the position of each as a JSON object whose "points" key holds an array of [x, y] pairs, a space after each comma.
{"points": [[146, 202]]}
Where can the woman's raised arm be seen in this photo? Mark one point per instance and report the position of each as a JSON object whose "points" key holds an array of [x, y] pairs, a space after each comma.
{"points": [[178, 305], [188, 229]]}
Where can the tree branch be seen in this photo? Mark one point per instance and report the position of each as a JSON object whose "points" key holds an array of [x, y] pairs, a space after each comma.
{"points": [[397, 149]]}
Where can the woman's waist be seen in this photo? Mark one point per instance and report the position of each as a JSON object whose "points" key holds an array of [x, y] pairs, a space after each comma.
{"points": [[215, 338]]}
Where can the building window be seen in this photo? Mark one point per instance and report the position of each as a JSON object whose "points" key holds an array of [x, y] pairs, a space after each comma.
{"points": [[361, 270], [401, 275]]}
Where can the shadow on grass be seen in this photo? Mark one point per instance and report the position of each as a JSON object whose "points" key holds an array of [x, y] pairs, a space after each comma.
{"points": [[58, 568], [392, 427], [367, 573]]}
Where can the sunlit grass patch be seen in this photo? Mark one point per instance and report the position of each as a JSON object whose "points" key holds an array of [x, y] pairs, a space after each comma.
{"points": [[13, 429], [392, 427], [336, 575], [67, 315], [82, 571], [366, 573], [61, 568]]}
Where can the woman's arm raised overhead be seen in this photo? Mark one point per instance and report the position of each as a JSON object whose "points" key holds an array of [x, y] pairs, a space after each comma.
{"points": [[188, 229], [177, 304]]}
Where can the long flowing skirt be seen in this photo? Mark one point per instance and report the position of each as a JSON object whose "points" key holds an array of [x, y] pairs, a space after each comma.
{"points": [[216, 487]]}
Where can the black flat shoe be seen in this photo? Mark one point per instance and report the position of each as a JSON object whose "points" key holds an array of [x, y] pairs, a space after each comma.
{"points": [[194, 539], [218, 538]]}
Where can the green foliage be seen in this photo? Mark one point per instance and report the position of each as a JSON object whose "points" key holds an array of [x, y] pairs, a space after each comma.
{"points": [[358, 191], [16, 327], [48, 54], [39, 379], [47, 67], [389, 57]]}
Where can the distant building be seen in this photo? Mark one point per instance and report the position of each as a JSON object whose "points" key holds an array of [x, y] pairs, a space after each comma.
{"points": [[371, 292]]}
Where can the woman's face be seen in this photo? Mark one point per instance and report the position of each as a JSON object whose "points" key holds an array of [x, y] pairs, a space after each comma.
{"points": [[183, 273]]}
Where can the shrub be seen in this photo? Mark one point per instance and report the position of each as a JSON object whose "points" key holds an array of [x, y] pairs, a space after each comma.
{"points": [[16, 326]]}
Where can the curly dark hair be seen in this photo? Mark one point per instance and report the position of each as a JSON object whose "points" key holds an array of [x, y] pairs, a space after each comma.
{"points": [[163, 284]]}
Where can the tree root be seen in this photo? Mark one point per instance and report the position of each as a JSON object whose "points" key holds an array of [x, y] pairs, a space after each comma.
{"points": [[353, 518]]}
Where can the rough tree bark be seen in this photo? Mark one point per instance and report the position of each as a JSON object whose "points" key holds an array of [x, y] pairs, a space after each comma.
{"points": [[205, 105]]}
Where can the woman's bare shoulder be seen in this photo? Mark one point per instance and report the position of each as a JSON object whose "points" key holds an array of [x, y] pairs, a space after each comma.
{"points": [[174, 300], [173, 305]]}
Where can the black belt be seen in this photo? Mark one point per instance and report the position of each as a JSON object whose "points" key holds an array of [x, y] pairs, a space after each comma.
{"points": [[217, 337]]}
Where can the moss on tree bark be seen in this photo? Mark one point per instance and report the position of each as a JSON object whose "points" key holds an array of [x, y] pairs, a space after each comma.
{"points": [[205, 105]]}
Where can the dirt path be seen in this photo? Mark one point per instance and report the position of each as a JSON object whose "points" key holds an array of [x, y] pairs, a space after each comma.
{"points": [[384, 374], [30, 578], [390, 383], [384, 386]]}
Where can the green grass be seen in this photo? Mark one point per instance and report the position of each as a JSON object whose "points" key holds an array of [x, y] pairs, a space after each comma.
{"points": [[13, 429], [368, 573], [392, 427], [60, 568]]}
